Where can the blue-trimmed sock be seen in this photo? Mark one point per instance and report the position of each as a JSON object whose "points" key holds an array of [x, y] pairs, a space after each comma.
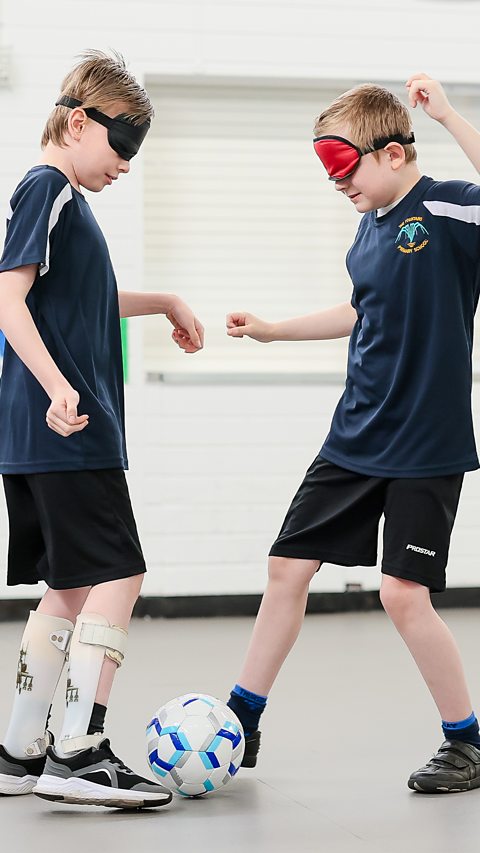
{"points": [[248, 707], [465, 730]]}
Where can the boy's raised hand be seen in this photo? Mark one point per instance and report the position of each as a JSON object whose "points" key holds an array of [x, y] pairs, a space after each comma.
{"points": [[62, 413], [240, 323], [188, 332], [430, 94]]}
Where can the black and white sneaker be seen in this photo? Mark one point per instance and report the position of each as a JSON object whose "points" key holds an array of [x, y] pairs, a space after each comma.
{"points": [[19, 775], [95, 776], [454, 768]]}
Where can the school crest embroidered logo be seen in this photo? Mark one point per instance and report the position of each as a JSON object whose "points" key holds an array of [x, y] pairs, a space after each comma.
{"points": [[412, 236]]}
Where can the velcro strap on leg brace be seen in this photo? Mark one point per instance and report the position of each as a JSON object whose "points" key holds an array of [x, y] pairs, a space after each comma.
{"points": [[74, 744], [114, 640]]}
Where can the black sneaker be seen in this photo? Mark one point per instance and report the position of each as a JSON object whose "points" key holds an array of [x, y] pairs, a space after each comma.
{"points": [[455, 768], [20, 775], [95, 776], [252, 746]]}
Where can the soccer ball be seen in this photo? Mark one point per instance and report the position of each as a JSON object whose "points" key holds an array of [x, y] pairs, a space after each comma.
{"points": [[195, 744]]}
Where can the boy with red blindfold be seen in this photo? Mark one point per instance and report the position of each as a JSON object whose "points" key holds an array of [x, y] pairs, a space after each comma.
{"points": [[401, 437]]}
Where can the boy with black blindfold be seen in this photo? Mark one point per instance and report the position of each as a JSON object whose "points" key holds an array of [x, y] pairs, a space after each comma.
{"points": [[402, 435], [62, 441]]}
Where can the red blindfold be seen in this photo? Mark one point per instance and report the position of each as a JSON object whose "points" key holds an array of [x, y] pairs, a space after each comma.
{"points": [[341, 157]]}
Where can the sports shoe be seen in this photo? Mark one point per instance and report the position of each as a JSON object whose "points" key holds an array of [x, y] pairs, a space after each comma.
{"points": [[455, 768], [252, 746], [95, 776], [20, 775]]}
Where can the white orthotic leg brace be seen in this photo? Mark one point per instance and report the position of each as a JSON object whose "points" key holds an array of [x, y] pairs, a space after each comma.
{"points": [[42, 656], [93, 639]]}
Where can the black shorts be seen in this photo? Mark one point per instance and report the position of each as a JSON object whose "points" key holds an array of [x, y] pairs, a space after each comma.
{"points": [[335, 514], [71, 528]]}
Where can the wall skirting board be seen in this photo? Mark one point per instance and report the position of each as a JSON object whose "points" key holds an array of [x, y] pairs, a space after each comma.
{"points": [[185, 606]]}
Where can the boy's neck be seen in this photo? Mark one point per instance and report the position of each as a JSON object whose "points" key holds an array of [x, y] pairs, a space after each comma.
{"points": [[409, 178], [53, 155]]}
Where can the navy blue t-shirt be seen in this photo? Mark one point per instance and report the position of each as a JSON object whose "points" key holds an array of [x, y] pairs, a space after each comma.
{"points": [[406, 409], [74, 304]]}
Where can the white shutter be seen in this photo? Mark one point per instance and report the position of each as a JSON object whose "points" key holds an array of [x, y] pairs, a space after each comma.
{"points": [[240, 216]]}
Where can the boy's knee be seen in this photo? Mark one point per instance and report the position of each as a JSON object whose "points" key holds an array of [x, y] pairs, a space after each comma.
{"points": [[137, 583], [400, 598], [131, 587], [128, 587], [291, 572], [65, 603]]}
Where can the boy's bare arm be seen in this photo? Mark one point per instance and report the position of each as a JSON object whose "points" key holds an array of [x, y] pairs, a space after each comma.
{"points": [[336, 322], [134, 304], [431, 96], [20, 331], [188, 332]]}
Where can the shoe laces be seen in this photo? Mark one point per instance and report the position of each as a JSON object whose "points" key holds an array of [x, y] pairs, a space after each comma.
{"points": [[105, 746]]}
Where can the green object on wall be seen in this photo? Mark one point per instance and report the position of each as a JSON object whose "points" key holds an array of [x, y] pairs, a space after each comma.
{"points": [[124, 333]]}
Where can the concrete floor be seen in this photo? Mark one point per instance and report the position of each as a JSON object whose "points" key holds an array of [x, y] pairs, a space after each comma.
{"points": [[348, 720]]}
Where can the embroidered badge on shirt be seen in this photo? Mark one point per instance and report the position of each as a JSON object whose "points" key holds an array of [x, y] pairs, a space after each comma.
{"points": [[412, 235]]}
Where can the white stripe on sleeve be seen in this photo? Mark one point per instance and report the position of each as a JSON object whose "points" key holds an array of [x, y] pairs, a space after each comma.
{"points": [[464, 213], [61, 200]]}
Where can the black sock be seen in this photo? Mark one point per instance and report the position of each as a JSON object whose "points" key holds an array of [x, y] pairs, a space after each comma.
{"points": [[97, 720], [248, 707], [48, 718]]}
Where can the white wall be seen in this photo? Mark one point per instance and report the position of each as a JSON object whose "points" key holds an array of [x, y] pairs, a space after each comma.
{"points": [[213, 466], [209, 507]]}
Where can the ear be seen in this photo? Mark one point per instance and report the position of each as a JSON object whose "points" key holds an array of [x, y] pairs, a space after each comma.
{"points": [[396, 154], [76, 122]]}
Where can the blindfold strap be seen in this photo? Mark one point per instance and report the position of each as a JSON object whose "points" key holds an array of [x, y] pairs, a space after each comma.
{"points": [[101, 118], [67, 101], [383, 141]]}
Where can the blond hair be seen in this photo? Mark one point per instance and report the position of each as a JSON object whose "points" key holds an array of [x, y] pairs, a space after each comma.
{"points": [[98, 80], [371, 112]]}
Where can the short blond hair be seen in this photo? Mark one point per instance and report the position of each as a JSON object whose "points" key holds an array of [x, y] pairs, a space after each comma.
{"points": [[371, 112], [98, 80]]}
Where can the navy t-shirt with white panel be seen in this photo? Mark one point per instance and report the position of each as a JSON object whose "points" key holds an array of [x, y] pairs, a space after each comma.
{"points": [[74, 305], [406, 409]]}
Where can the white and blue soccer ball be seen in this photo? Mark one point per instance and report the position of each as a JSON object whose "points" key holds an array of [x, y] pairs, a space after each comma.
{"points": [[195, 744]]}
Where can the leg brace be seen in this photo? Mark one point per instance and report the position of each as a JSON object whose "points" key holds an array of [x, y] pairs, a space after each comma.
{"points": [[93, 640], [43, 651]]}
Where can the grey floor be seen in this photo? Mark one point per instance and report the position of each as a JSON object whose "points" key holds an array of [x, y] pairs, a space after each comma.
{"points": [[348, 720]]}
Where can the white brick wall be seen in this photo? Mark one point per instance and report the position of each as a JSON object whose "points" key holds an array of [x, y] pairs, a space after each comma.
{"points": [[214, 467]]}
